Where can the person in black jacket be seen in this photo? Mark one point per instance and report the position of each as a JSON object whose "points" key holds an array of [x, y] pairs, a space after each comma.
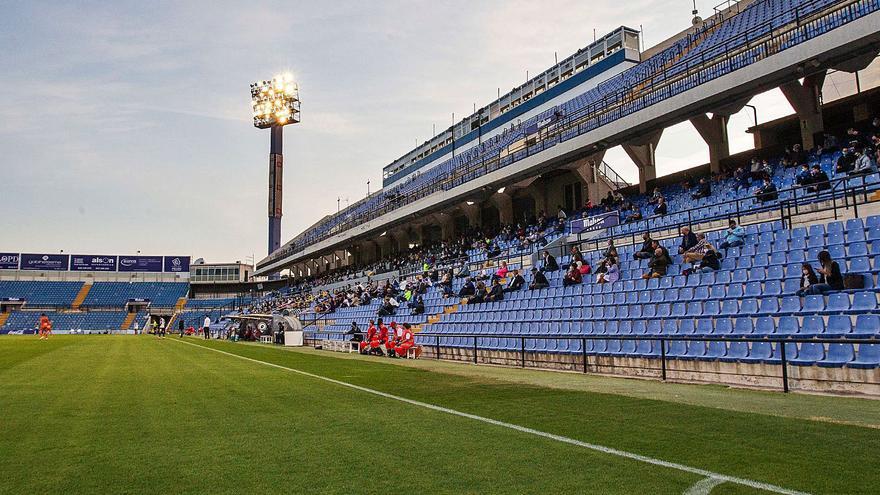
{"points": [[516, 282], [550, 264], [539, 281], [646, 250], [468, 289], [767, 191], [808, 279], [820, 181], [661, 208], [830, 278], [704, 190], [688, 240], [496, 293]]}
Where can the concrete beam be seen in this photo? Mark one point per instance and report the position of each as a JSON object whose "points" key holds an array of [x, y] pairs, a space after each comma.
{"points": [[806, 99], [714, 133], [856, 64], [642, 151]]}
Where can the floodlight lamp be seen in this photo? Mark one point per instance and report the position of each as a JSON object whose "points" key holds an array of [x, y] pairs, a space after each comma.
{"points": [[275, 102]]}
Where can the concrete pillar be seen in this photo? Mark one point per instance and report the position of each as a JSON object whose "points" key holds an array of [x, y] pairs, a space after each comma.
{"points": [[586, 168], [472, 212], [504, 203], [714, 133], [446, 223], [642, 152], [806, 99]]}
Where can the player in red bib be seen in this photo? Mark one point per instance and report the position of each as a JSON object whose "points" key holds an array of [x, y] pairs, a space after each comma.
{"points": [[395, 337], [45, 326], [407, 341], [380, 340], [371, 334]]}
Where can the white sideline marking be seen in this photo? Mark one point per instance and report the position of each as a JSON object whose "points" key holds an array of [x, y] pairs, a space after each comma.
{"points": [[704, 486], [559, 438]]}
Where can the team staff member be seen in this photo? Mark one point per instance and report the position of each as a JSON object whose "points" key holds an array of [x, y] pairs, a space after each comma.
{"points": [[45, 326], [371, 334], [207, 324], [407, 340]]}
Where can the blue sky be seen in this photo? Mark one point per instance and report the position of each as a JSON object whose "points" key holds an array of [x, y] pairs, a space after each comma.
{"points": [[125, 126]]}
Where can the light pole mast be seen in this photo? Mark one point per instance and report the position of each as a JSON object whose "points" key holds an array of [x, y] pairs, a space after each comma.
{"points": [[275, 104]]}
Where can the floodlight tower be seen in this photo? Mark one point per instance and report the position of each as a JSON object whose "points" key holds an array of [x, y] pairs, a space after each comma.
{"points": [[275, 104]]}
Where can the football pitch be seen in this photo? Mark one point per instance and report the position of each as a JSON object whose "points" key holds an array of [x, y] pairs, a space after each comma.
{"points": [[125, 414]]}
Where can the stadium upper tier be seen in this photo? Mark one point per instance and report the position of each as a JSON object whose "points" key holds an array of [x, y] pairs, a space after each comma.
{"points": [[159, 294], [720, 47], [41, 293]]}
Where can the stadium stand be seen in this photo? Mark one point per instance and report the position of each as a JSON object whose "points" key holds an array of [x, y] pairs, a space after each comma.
{"points": [[160, 294], [45, 294]]}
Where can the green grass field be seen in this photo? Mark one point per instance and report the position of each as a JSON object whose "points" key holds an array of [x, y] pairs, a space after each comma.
{"points": [[108, 414]]}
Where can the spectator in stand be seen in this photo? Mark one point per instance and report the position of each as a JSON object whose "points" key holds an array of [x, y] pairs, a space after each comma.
{"points": [[468, 289], [576, 254], [698, 250], [709, 263], [496, 293], [845, 162], [572, 277], [741, 178], [501, 272], [634, 215], [479, 294], [661, 208], [463, 272], [549, 264], [446, 283], [584, 267], [656, 245], [611, 273], [820, 181], [418, 306], [658, 265], [864, 162], [608, 201], [388, 307], [560, 213], [539, 281], [796, 156], [516, 282], [703, 189], [854, 137], [830, 278], [611, 250], [734, 236], [803, 177], [767, 191], [808, 279], [688, 240], [646, 251]]}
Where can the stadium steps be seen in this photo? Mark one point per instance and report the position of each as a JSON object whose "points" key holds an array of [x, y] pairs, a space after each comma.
{"points": [[3, 318], [129, 319], [181, 303], [81, 295], [172, 320]]}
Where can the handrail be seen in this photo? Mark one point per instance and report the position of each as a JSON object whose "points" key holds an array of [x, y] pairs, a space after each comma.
{"points": [[599, 113], [779, 349]]}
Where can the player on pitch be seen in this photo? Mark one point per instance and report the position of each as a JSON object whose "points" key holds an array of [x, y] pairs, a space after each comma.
{"points": [[45, 326]]}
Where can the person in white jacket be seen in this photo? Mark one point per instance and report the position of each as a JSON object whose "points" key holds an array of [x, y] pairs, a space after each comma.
{"points": [[207, 325]]}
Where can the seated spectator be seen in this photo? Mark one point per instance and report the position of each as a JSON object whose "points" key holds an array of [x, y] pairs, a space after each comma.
{"points": [[550, 264], [688, 240], [516, 282], [864, 163], [698, 250], [539, 281], [611, 273], [496, 293], [830, 278], [767, 191], [658, 265], [468, 289], [634, 215], [734, 236], [808, 279], [655, 196], [741, 178], [418, 306], [703, 190], [493, 250], [611, 250], [576, 254], [819, 180], [803, 177], [501, 272], [646, 251], [572, 277], [655, 245], [388, 307], [584, 267], [661, 208], [709, 263], [479, 295], [608, 200], [845, 162]]}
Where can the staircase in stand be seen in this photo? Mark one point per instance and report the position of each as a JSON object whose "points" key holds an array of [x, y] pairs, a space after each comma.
{"points": [[3, 318], [181, 303], [81, 295], [129, 319]]}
